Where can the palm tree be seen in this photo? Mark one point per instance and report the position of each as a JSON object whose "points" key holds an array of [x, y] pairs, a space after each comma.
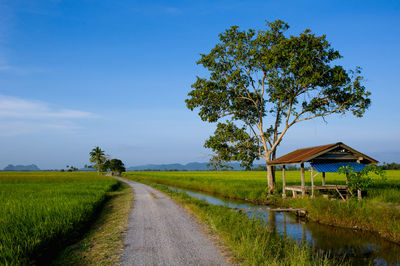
{"points": [[98, 157]]}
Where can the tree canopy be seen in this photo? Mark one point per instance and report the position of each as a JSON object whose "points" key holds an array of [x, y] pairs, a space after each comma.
{"points": [[264, 82], [103, 163], [98, 157], [116, 166]]}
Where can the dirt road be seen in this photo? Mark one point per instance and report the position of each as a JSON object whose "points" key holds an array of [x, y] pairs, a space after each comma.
{"points": [[162, 233]]}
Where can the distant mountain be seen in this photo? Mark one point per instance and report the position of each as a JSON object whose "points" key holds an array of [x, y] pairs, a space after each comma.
{"points": [[194, 166], [31, 167], [87, 169]]}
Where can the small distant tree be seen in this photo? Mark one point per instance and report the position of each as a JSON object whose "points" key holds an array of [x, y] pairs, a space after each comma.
{"points": [[98, 157], [116, 166], [218, 163], [390, 166], [71, 168], [259, 168], [105, 165], [361, 180]]}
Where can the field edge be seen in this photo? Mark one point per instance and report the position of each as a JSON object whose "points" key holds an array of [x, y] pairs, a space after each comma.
{"points": [[102, 244]]}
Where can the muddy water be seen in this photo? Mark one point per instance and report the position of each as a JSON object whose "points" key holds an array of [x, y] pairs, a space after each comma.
{"points": [[359, 248]]}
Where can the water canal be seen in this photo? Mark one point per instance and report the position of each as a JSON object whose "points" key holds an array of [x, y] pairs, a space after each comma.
{"points": [[360, 248]]}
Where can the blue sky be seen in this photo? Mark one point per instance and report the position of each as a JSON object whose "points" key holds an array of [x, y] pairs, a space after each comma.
{"points": [[76, 74]]}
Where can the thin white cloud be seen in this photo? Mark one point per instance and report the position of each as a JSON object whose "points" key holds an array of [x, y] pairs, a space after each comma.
{"points": [[14, 128], [21, 117], [12, 107]]}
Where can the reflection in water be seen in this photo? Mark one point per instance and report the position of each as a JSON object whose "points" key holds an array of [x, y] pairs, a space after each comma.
{"points": [[360, 248], [272, 221]]}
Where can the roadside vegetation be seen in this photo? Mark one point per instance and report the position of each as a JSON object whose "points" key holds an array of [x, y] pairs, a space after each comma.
{"points": [[379, 210], [102, 244], [251, 241], [42, 212]]}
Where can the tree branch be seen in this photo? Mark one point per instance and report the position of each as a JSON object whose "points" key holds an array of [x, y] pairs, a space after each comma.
{"points": [[315, 116], [278, 111]]}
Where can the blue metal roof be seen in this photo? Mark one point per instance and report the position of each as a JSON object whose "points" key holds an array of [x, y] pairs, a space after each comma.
{"points": [[334, 167]]}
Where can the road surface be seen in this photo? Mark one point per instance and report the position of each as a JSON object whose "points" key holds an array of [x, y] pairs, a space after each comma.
{"points": [[162, 233]]}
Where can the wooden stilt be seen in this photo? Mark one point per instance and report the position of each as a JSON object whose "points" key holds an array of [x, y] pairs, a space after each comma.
{"points": [[283, 181], [340, 194], [323, 178], [312, 182], [303, 191]]}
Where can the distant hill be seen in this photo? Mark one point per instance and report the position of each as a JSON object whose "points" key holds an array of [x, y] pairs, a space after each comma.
{"points": [[194, 166], [31, 167], [87, 169]]}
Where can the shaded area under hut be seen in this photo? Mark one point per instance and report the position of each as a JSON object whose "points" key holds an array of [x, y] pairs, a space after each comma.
{"points": [[323, 159]]}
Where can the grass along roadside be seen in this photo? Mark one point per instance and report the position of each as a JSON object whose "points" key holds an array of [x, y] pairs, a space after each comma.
{"points": [[102, 244], [250, 242], [377, 212]]}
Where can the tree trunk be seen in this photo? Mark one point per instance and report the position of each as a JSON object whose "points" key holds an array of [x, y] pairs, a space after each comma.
{"points": [[359, 194], [271, 173], [273, 157], [271, 179]]}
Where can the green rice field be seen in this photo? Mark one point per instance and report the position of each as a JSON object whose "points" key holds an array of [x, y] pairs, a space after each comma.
{"points": [[379, 211], [251, 185], [41, 212]]}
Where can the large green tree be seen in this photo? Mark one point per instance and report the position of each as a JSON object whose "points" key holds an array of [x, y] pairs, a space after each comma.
{"points": [[264, 82], [98, 157]]}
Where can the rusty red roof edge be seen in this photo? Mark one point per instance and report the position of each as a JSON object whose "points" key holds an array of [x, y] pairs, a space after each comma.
{"points": [[301, 155]]}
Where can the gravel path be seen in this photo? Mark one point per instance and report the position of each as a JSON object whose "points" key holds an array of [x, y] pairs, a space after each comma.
{"points": [[162, 233]]}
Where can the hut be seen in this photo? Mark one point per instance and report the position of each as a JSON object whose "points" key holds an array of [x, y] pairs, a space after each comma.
{"points": [[322, 159]]}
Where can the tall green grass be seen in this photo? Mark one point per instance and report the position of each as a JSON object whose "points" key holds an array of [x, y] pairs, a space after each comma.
{"points": [[40, 212], [379, 211]]}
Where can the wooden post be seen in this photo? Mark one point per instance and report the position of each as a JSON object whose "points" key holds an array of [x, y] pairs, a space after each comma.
{"points": [[284, 181], [303, 183], [312, 182], [323, 178], [359, 194]]}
